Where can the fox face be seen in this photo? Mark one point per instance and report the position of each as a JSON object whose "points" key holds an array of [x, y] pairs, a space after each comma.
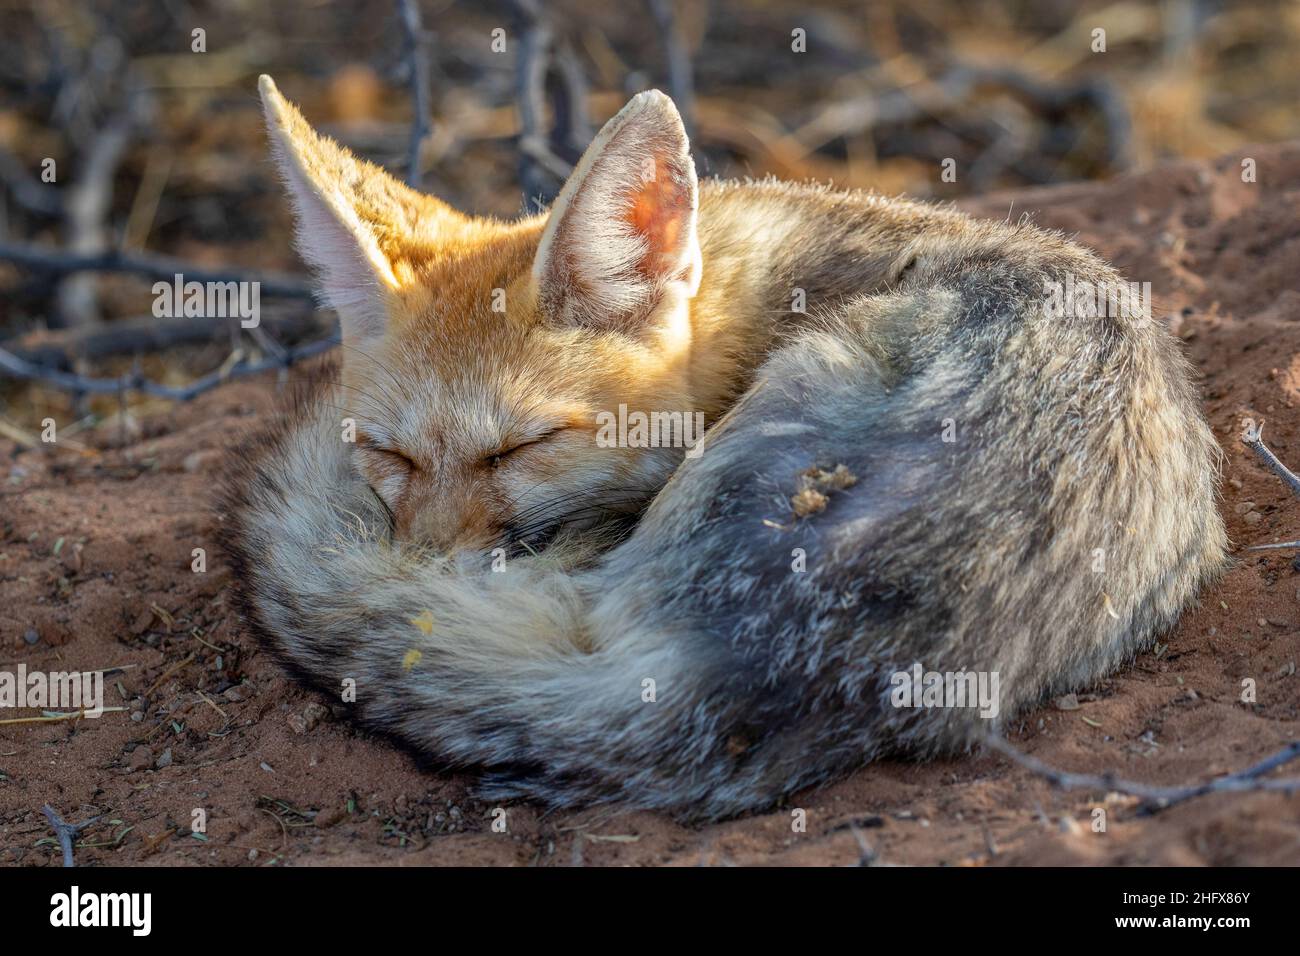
{"points": [[478, 356]]}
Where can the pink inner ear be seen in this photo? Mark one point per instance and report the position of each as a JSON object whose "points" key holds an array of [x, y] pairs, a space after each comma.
{"points": [[659, 210]]}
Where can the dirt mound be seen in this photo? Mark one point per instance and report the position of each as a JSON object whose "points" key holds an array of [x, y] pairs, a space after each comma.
{"points": [[96, 553]]}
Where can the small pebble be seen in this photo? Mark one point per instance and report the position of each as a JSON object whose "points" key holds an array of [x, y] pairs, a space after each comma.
{"points": [[314, 713]]}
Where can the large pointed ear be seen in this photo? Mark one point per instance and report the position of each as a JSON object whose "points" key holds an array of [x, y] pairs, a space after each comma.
{"points": [[622, 231], [359, 228]]}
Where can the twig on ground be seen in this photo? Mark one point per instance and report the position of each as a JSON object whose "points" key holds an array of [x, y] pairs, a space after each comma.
{"points": [[66, 832], [418, 57], [169, 672], [867, 854], [56, 718], [1278, 546], [1156, 798], [1253, 438]]}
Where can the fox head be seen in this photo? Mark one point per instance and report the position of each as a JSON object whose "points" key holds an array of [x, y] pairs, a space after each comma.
{"points": [[478, 355]]}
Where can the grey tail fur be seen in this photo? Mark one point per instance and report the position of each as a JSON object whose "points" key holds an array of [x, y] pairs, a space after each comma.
{"points": [[940, 474]]}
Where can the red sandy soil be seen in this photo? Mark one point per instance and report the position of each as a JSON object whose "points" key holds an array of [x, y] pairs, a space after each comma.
{"points": [[283, 781]]}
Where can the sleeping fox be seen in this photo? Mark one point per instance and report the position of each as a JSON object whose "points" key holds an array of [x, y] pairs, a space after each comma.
{"points": [[920, 458]]}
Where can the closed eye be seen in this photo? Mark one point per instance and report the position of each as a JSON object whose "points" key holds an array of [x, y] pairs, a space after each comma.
{"points": [[391, 455], [395, 457], [495, 459]]}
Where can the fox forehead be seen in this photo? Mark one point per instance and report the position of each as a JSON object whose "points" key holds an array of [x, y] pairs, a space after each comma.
{"points": [[464, 385], [472, 280], [467, 362]]}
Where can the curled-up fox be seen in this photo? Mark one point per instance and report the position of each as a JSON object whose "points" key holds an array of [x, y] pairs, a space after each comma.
{"points": [[924, 470]]}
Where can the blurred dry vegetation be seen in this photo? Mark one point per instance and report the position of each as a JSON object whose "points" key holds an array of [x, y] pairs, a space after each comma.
{"points": [[160, 150]]}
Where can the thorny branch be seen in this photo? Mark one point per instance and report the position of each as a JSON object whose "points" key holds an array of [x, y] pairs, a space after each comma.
{"points": [[1157, 798]]}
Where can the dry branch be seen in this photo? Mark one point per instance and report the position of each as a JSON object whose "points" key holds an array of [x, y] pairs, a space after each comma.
{"points": [[86, 209], [135, 382], [540, 171], [572, 130], [1156, 798], [59, 349], [148, 265], [418, 58], [681, 81], [66, 832], [1253, 438], [28, 191]]}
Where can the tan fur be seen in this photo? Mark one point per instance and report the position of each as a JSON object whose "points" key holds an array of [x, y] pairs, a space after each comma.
{"points": [[1068, 522]]}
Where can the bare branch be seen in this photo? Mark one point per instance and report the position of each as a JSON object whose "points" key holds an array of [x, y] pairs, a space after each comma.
{"points": [[540, 172], [82, 385], [1253, 438], [66, 832], [86, 209], [572, 130], [1279, 546], [150, 266], [28, 191], [1158, 798], [58, 349], [681, 80], [421, 123]]}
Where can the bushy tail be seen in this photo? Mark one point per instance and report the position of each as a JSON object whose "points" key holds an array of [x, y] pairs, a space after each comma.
{"points": [[940, 477]]}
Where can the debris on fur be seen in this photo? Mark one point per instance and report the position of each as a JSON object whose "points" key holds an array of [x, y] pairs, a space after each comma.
{"points": [[813, 485]]}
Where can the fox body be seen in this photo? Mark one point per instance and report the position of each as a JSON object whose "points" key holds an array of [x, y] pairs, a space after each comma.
{"points": [[922, 465]]}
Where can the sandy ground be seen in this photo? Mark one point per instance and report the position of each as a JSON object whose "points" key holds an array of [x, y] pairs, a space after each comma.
{"points": [[95, 572]]}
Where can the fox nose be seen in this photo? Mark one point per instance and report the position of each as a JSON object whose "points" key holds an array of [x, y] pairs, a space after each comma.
{"points": [[446, 526]]}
